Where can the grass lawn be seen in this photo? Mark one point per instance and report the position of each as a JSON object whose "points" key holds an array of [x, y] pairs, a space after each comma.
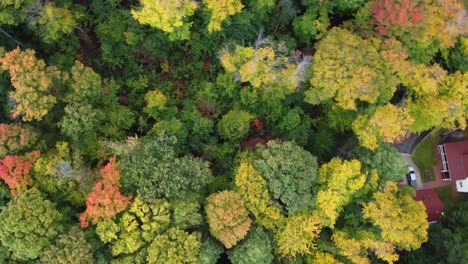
{"points": [[425, 156], [447, 197]]}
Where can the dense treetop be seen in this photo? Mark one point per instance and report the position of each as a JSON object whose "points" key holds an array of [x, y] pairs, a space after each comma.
{"points": [[241, 131]]}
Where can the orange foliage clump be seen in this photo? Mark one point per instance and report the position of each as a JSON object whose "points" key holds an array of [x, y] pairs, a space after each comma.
{"points": [[389, 13], [228, 218], [33, 83], [15, 169], [106, 200]]}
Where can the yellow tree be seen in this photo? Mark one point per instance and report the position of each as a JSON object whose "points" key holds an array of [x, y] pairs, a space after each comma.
{"points": [[220, 11], [254, 191], [169, 16], [263, 68], [356, 246], [348, 68], [339, 179], [33, 82], [298, 236], [393, 205], [388, 123]]}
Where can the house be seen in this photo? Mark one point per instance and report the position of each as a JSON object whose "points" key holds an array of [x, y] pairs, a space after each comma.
{"points": [[432, 202], [454, 157]]}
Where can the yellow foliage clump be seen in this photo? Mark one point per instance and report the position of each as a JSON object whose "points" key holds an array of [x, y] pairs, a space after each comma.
{"points": [[298, 235], [389, 123], [253, 189], [340, 180], [220, 11], [167, 15], [393, 205], [263, 68]]}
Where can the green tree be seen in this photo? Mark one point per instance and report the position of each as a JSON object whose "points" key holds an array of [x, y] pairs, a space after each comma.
{"points": [[227, 217], [30, 223], [388, 162], [235, 125], [210, 251], [256, 248], [70, 248], [62, 173], [291, 174], [17, 139], [186, 213], [175, 246]]}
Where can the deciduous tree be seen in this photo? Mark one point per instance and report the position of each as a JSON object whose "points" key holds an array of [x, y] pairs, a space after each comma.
{"points": [[15, 139], [29, 224], [393, 205], [106, 200], [264, 68], [298, 236], [14, 170], [175, 246], [33, 82], [137, 227], [220, 11], [348, 68], [340, 180], [69, 248], [389, 123], [254, 191], [291, 174], [167, 15], [227, 217]]}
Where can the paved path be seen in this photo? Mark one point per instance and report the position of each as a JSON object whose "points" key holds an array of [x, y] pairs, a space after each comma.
{"points": [[407, 146]]}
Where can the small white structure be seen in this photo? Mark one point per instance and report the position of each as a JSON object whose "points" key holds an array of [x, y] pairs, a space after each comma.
{"points": [[462, 185]]}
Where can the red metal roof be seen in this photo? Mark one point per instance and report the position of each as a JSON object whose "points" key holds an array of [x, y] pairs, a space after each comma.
{"points": [[457, 158], [431, 200]]}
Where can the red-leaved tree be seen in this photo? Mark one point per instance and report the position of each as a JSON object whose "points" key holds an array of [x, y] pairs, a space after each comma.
{"points": [[395, 15], [105, 200], [15, 169]]}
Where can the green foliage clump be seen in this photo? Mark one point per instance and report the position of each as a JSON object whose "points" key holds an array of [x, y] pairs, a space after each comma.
{"points": [[163, 173], [256, 248], [186, 213], [210, 251], [291, 174], [63, 174], [175, 246], [69, 248], [17, 139], [386, 159], [235, 125], [29, 225]]}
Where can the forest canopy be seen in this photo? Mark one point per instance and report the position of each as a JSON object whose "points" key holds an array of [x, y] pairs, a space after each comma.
{"points": [[236, 131]]}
